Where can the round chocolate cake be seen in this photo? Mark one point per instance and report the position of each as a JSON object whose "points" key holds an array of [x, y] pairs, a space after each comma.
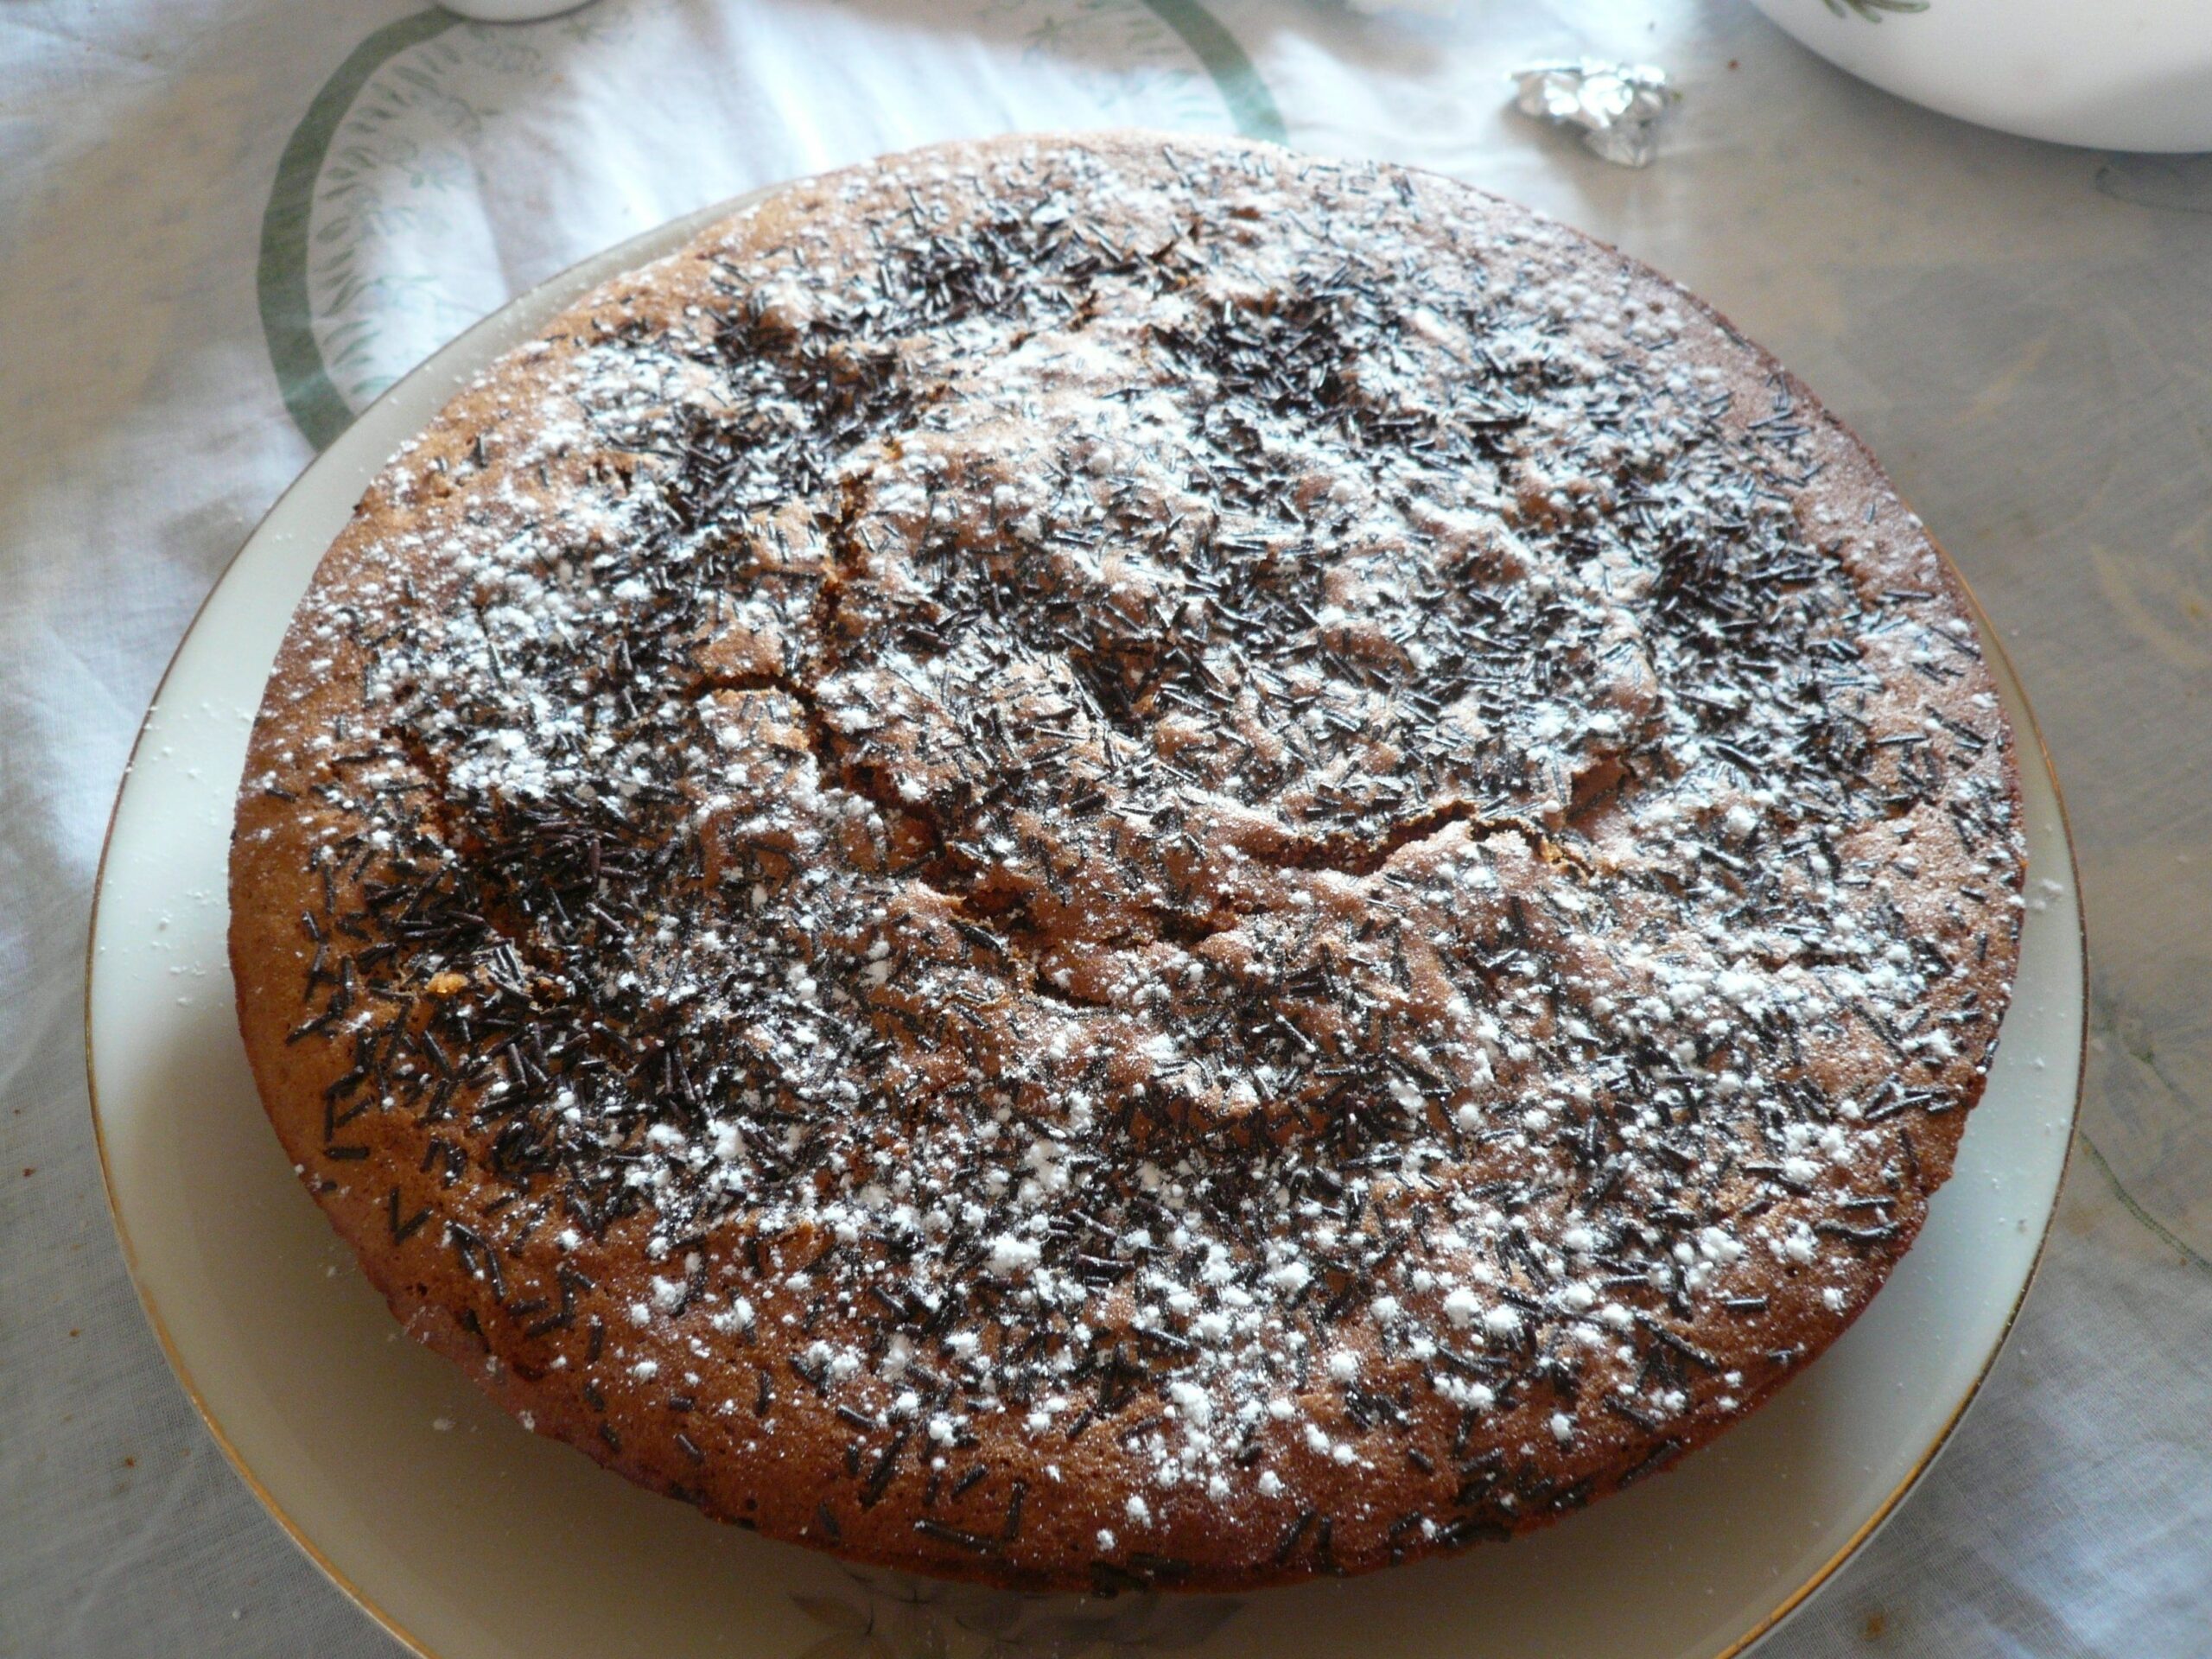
{"points": [[1122, 861]]}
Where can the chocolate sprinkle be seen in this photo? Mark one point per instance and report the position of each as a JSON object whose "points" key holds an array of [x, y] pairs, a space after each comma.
{"points": [[1257, 805]]}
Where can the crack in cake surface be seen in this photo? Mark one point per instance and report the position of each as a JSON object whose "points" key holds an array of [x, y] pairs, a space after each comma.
{"points": [[1256, 853]]}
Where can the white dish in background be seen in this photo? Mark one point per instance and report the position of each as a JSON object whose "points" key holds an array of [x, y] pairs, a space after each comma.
{"points": [[2112, 75], [471, 1539]]}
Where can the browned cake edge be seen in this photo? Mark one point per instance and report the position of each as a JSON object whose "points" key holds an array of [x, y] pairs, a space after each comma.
{"points": [[449, 1309]]}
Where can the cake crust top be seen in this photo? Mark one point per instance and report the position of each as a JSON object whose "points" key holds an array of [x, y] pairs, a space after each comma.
{"points": [[1122, 861]]}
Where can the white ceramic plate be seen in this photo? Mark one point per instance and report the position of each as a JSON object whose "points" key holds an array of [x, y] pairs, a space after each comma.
{"points": [[471, 1539], [2113, 75]]}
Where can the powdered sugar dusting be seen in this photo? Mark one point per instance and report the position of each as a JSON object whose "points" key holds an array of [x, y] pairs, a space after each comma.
{"points": [[1223, 816]]}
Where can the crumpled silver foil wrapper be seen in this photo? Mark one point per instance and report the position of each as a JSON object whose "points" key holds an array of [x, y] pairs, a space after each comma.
{"points": [[1616, 106]]}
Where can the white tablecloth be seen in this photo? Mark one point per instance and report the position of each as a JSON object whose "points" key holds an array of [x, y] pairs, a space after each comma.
{"points": [[223, 227]]}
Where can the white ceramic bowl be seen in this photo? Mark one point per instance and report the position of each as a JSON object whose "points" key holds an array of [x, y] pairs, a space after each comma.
{"points": [[2113, 75]]}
